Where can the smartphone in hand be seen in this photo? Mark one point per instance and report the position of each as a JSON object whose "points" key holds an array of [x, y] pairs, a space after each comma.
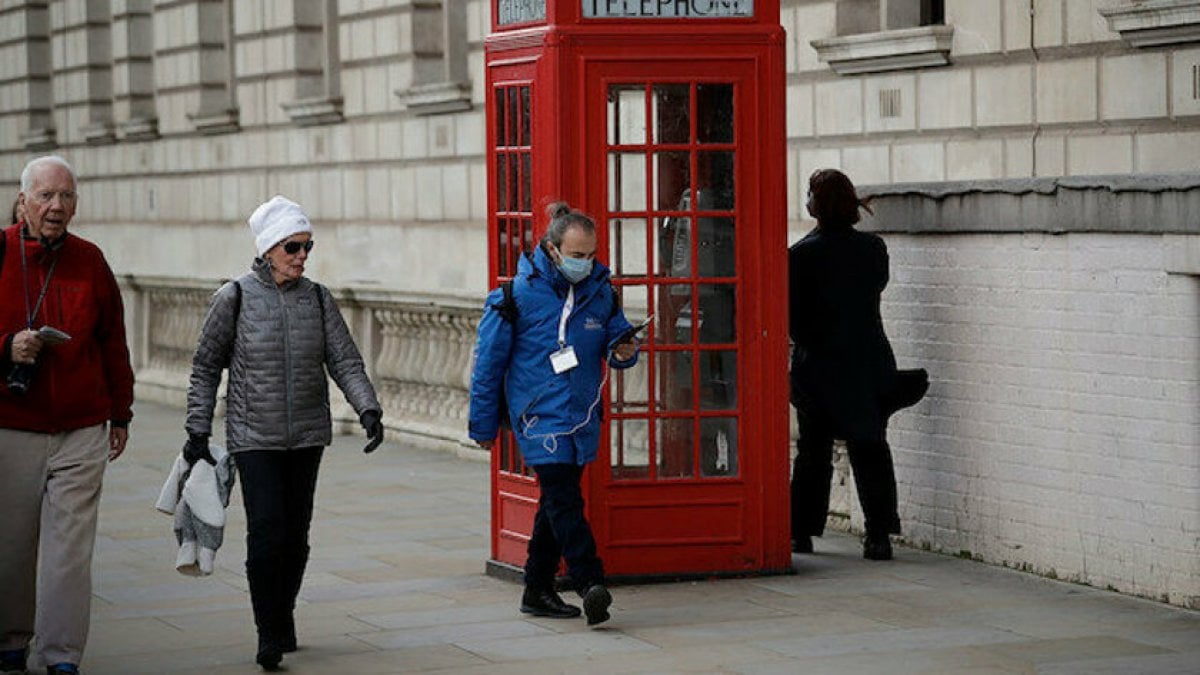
{"points": [[633, 331]]}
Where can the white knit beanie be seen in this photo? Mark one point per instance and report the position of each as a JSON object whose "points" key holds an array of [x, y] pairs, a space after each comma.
{"points": [[276, 220]]}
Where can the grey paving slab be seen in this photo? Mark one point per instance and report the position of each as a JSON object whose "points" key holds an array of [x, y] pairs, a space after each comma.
{"points": [[696, 610], [895, 640], [1157, 664], [1091, 648], [396, 585], [949, 661], [725, 658], [784, 627], [455, 634], [445, 615], [421, 659], [578, 645]]}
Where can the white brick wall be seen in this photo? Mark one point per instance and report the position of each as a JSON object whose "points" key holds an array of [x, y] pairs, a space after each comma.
{"points": [[1061, 433]]}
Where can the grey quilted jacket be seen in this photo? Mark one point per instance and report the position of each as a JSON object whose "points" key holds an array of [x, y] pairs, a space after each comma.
{"points": [[284, 339]]}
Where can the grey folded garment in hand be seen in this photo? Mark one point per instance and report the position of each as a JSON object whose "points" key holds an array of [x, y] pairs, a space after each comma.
{"points": [[197, 496]]}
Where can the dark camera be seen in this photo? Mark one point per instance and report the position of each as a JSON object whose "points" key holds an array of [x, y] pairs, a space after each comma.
{"points": [[20, 377]]}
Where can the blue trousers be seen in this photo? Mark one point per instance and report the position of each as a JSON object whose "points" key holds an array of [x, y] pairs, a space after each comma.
{"points": [[560, 530]]}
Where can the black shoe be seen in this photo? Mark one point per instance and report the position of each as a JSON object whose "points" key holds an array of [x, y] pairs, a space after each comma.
{"points": [[269, 655], [62, 669], [595, 604], [12, 661], [877, 547], [802, 545], [545, 602], [287, 634]]}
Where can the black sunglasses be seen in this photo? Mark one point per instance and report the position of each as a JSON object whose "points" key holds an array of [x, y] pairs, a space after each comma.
{"points": [[293, 247]]}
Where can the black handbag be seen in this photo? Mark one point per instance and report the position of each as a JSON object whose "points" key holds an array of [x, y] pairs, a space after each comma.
{"points": [[909, 388]]}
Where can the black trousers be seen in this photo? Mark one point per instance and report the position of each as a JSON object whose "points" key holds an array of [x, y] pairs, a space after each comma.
{"points": [[812, 472], [277, 489], [560, 530]]}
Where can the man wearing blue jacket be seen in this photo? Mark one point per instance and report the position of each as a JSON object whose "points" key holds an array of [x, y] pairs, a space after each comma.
{"points": [[544, 358]]}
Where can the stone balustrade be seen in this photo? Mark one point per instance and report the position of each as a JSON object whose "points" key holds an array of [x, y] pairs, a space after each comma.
{"points": [[417, 349]]}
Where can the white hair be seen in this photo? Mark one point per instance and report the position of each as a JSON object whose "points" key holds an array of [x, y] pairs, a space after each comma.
{"points": [[27, 174]]}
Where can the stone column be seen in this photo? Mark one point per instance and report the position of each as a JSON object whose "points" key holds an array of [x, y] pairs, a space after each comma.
{"points": [[133, 69], [25, 75], [441, 82], [81, 55], [312, 61], [194, 67]]}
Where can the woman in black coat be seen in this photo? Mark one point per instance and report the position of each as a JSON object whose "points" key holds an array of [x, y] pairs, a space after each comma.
{"points": [[842, 367]]}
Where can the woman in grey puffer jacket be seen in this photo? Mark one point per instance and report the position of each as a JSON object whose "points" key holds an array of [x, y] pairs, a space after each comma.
{"points": [[277, 333]]}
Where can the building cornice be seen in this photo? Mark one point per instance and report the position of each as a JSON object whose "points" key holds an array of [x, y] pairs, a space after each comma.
{"points": [[1156, 22], [905, 49]]}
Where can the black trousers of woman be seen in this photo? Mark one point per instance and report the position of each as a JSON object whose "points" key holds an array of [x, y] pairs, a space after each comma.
{"points": [[277, 490], [812, 472]]}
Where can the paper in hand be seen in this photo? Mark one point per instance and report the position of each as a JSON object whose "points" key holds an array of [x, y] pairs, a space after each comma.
{"points": [[52, 336]]}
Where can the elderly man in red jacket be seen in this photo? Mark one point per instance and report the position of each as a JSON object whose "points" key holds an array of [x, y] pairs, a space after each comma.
{"points": [[66, 391]]}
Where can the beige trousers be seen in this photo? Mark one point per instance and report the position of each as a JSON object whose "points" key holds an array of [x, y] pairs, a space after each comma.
{"points": [[49, 499]]}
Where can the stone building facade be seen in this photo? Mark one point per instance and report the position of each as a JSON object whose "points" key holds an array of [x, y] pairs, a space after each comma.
{"points": [[1037, 166]]}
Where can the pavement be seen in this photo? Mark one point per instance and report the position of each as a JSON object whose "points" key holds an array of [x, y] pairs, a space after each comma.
{"points": [[396, 585]]}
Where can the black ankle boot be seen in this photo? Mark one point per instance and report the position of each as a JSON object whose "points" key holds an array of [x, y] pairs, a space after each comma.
{"points": [[545, 602], [877, 547], [802, 544], [287, 633], [269, 654]]}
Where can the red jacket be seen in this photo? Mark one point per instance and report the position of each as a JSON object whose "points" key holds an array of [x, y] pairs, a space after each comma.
{"points": [[86, 380]]}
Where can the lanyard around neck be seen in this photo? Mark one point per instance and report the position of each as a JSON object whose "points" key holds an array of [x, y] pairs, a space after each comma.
{"points": [[29, 314], [566, 313]]}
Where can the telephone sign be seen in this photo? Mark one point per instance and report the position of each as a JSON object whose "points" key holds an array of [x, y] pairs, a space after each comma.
{"points": [[520, 11], [667, 9]]}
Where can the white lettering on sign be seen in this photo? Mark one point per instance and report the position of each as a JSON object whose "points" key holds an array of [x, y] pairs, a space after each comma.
{"points": [[521, 11], [667, 9]]}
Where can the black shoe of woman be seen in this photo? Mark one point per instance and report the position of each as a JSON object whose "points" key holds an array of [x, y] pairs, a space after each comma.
{"points": [[269, 656], [802, 545], [877, 547]]}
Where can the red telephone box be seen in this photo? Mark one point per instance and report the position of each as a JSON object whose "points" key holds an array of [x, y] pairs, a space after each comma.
{"points": [[664, 120]]}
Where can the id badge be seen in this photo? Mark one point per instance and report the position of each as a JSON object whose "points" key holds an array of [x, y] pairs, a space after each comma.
{"points": [[564, 360]]}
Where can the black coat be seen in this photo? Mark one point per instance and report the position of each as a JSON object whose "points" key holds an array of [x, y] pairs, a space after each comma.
{"points": [[843, 367]]}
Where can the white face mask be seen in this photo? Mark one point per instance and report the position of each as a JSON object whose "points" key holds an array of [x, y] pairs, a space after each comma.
{"points": [[574, 269]]}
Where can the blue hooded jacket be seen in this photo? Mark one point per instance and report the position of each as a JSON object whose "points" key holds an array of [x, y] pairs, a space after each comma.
{"points": [[542, 406]]}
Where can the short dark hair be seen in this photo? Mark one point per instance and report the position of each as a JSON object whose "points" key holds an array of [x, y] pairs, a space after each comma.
{"points": [[562, 218]]}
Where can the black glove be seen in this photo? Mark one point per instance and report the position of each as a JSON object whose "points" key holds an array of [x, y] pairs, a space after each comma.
{"points": [[371, 420], [196, 448]]}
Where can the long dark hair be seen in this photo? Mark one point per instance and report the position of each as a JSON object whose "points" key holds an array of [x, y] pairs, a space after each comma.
{"points": [[833, 201]]}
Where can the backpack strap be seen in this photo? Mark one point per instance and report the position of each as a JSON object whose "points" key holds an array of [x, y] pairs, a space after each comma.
{"points": [[320, 301], [237, 302], [508, 308]]}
